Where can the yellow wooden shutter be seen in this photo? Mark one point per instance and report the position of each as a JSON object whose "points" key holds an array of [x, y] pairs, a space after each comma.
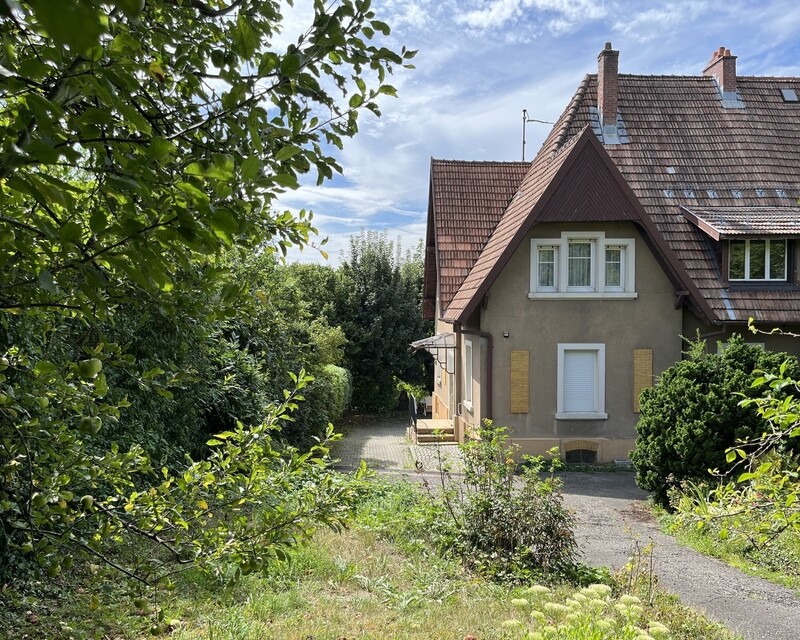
{"points": [[642, 373], [520, 381]]}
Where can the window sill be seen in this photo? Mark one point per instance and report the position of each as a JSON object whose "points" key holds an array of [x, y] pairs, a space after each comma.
{"points": [[467, 406], [564, 295], [581, 416]]}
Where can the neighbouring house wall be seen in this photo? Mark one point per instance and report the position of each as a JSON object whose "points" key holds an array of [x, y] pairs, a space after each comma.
{"points": [[649, 322]]}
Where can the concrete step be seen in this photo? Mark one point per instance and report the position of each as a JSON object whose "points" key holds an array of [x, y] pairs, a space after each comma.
{"points": [[429, 438], [429, 430]]}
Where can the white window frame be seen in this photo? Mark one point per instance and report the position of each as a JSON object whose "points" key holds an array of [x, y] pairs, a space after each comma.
{"points": [[767, 251], [600, 382], [597, 288], [535, 275], [468, 374]]}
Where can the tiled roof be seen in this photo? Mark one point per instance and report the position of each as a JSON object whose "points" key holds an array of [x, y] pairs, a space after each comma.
{"points": [[724, 222], [538, 177], [468, 200], [684, 148], [720, 157]]}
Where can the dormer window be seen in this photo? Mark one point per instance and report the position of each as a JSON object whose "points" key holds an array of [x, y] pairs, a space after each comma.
{"points": [[760, 260]]}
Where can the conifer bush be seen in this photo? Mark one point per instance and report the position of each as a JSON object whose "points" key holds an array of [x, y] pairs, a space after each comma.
{"points": [[694, 414]]}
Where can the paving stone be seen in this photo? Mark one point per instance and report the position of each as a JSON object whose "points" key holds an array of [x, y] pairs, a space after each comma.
{"points": [[384, 445]]}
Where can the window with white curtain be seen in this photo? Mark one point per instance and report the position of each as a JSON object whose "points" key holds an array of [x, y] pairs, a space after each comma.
{"points": [[583, 265], [581, 382]]}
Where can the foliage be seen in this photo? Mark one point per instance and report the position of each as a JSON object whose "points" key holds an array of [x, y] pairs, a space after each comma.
{"points": [[220, 514], [137, 140], [693, 414], [757, 503], [378, 305], [142, 148], [376, 579], [507, 532], [592, 612], [507, 527], [341, 390], [700, 521]]}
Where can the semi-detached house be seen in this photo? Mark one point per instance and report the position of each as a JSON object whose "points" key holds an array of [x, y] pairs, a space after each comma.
{"points": [[658, 207]]}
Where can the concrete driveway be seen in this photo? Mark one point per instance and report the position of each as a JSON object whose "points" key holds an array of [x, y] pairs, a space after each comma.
{"points": [[612, 521]]}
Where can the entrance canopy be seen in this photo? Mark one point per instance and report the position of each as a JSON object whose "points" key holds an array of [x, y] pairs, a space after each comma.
{"points": [[442, 347]]}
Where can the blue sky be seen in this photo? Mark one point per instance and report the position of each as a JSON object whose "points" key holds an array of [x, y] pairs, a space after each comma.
{"points": [[481, 62]]}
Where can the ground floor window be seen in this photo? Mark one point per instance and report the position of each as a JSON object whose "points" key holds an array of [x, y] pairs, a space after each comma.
{"points": [[581, 381]]}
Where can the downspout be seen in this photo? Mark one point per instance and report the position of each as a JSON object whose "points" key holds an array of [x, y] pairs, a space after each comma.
{"points": [[489, 367]]}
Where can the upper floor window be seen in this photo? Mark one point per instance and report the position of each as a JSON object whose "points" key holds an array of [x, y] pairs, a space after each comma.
{"points": [[582, 265], [759, 259]]}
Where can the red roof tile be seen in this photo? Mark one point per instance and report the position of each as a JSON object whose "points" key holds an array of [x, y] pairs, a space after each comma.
{"points": [[468, 199]]}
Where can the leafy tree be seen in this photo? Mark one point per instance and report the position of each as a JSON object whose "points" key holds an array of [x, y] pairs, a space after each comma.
{"points": [[693, 414], [139, 141], [377, 305]]}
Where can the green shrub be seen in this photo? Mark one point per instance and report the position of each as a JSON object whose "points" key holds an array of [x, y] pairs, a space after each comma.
{"points": [[341, 390], [693, 414], [512, 528]]}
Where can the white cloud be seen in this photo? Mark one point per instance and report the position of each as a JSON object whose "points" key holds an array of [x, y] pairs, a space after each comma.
{"points": [[654, 22], [495, 14]]}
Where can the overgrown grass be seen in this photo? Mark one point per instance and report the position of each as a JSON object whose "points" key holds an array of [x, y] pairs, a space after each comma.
{"points": [[381, 578]]}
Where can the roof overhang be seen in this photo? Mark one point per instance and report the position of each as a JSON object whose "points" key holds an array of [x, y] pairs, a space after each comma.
{"points": [[438, 346], [740, 222]]}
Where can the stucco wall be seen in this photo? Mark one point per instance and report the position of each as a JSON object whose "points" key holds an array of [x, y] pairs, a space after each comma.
{"points": [[648, 322]]}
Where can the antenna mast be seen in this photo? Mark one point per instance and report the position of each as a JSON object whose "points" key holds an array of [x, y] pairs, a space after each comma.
{"points": [[525, 121]]}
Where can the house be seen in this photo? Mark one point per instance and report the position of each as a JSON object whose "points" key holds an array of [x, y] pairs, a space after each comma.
{"points": [[658, 207]]}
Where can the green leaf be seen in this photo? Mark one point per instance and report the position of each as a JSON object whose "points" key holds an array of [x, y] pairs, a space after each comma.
{"points": [[123, 184], [284, 153], [290, 65], [71, 232], [46, 281], [250, 168], [286, 180], [77, 26], [245, 38]]}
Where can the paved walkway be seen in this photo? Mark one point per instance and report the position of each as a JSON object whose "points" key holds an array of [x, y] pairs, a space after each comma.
{"points": [[384, 446], [612, 522]]}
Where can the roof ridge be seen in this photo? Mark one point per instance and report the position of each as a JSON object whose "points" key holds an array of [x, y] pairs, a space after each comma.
{"points": [[570, 112], [498, 162]]}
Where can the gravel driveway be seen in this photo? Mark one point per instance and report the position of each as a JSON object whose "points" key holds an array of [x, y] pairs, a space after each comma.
{"points": [[611, 519]]}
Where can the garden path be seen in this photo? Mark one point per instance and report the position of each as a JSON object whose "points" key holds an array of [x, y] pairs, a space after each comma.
{"points": [[612, 523]]}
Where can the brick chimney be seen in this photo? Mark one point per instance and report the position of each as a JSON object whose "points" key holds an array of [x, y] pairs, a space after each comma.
{"points": [[722, 67], [608, 85]]}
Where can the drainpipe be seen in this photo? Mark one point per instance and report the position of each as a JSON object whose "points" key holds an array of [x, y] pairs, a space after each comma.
{"points": [[489, 368]]}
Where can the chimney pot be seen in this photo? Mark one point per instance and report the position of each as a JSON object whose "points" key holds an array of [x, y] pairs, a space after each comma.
{"points": [[608, 85]]}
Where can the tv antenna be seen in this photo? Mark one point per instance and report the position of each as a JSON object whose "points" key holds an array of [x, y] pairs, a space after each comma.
{"points": [[525, 121]]}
